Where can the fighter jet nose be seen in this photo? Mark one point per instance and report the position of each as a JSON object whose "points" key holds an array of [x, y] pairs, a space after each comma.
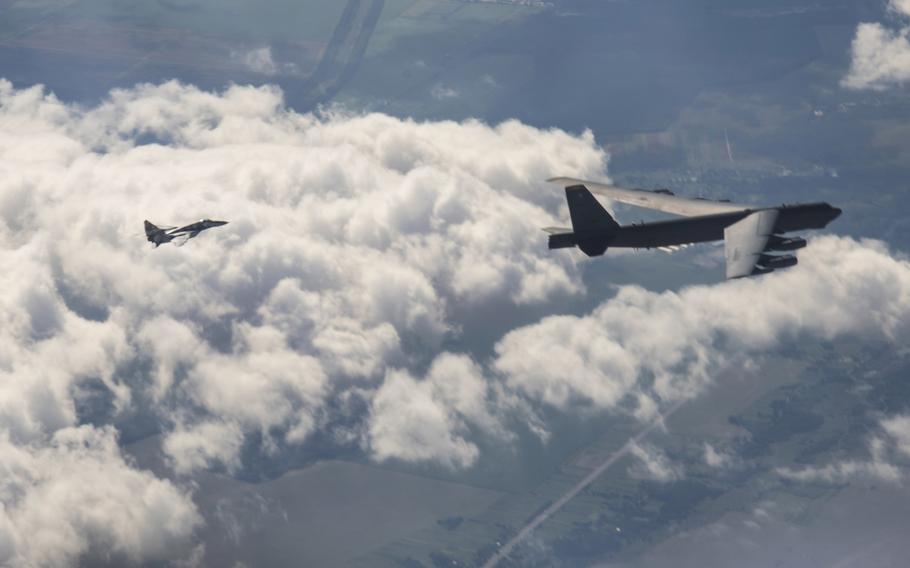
{"points": [[835, 212]]}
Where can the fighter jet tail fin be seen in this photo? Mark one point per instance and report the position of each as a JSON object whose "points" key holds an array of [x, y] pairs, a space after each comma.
{"points": [[150, 229]]}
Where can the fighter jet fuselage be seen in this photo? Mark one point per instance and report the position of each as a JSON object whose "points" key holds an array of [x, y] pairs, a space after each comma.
{"points": [[162, 235]]}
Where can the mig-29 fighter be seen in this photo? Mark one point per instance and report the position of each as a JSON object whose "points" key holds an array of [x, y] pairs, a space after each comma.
{"points": [[178, 235], [751, 234]]}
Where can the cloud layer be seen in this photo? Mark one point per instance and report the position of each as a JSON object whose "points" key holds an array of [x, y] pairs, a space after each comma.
{"points": [[888, 453], [881, 53], [76, 498], [332, 305], [319, 308], [642, 349]]}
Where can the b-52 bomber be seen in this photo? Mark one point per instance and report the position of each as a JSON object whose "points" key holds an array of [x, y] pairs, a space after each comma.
{"points": [[751, 234], [178, 235]]}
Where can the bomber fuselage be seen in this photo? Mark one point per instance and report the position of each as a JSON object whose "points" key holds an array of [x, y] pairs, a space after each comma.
{"points": [[706, 228]]}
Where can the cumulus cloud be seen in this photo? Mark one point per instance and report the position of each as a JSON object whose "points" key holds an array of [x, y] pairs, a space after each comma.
{"points": [[898, 428], [429, 419], [203, 445], [716, 458], [654, 465], [881, 53], [260, 60], [641, 349], [885, 453], [847, 470], [77, 498], [358, 247], [352, 237], [352, 241], [47, 351]]}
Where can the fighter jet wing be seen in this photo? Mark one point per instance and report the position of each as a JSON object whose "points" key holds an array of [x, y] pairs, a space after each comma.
{"points": [[182, 238], [746, 240], [661, 200]]}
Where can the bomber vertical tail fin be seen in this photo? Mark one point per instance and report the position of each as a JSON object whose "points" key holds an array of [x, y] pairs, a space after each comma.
{"points": [[593, 226], [588, 215]]}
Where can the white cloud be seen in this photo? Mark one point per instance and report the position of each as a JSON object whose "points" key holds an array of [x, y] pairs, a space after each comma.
{"points": [[843, 472], [47, 352], [429, 419], [881, 54], [77, 498], [900, 7], [441, 92], [898, 428], [262, 384], [260, 60], [352, 241], [358, 246], [883, 464], [204, 444], [654, 465], [717, 459], [642, 346], [171, 345]]}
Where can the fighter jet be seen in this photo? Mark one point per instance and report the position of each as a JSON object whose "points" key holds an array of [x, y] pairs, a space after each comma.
{"points": [[178, 235], [751, 234]]}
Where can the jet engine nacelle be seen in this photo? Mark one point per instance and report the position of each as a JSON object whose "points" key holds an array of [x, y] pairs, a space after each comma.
{"points": [[775, 262], [785, 244]]}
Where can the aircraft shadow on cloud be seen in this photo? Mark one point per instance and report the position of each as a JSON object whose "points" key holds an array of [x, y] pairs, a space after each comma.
{"points": [[751, 234], [178, 235]]}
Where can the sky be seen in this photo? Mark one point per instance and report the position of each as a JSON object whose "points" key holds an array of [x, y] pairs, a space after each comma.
{"points": [[335, 314]]}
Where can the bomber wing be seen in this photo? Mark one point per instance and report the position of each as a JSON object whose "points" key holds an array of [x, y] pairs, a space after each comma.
{"points": [[745, 242], [661, 200]]}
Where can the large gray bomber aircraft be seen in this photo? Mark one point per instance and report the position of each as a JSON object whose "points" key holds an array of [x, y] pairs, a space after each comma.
{"points": [[751, 234], [178, 235]]}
